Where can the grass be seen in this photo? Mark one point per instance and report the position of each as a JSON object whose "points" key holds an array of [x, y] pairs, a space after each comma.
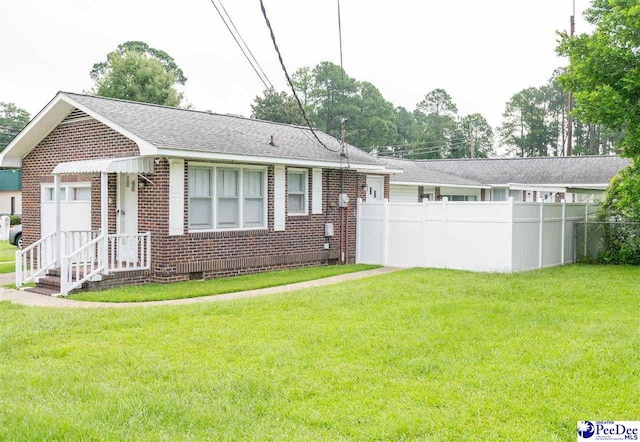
{"points": [[7, 257], [415, 355], [193, 289]]}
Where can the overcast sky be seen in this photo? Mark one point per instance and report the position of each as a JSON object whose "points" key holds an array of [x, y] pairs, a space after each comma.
{"points": [[481, 52]]}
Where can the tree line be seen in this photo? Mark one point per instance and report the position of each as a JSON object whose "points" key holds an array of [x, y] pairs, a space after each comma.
{"points": [[534, 120], [329, 96]]}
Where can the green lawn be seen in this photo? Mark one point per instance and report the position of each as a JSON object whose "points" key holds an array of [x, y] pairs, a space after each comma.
{"points": [[416, 355], [7, 257], [193, 289]]}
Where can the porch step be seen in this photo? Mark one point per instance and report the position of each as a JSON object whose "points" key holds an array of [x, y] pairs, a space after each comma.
{"points": [[43, 290], [51, 283]]}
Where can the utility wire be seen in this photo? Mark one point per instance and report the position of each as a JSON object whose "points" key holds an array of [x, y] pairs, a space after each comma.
{"points": [[245, 45], [269, 88], [286, 74], [239, 45]]}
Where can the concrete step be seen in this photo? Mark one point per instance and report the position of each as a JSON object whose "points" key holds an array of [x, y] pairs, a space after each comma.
{"points": [[43, 290], [50, 281]]}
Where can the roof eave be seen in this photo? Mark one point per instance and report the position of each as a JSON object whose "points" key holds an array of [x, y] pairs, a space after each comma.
{"points": [[237, 158], [434, 184]]}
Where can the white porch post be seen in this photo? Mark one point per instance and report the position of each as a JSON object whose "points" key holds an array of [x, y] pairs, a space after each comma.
{"points": [[104, 219], [58, 238]]}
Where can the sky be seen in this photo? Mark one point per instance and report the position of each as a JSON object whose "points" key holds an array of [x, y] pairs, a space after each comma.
{"points": [[481, 52]]}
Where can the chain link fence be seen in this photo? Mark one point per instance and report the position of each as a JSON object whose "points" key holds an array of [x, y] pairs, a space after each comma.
{"points": [[607, 242]]}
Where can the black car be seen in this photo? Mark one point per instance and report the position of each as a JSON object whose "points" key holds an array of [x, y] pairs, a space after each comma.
{"points": [[15, 236]]}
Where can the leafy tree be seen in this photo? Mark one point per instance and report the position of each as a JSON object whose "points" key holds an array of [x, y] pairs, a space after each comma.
{"points": [[405, 124], [332, 97], [12, 120], [525, 129], [437, 133], [277, 106], [604, 74], [438, 102], [374, 121], [478, 137], [137, 72]]}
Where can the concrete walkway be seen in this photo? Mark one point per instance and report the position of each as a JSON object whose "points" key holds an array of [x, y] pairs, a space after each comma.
{"points": [[36, 300]]}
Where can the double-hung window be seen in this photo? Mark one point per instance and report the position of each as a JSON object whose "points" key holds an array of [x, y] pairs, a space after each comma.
{"points": [[200, 198], [227, 198], [297, 192], [253, 212]]}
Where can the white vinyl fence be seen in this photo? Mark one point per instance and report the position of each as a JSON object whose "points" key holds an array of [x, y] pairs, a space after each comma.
{"points": [[481, 236]]}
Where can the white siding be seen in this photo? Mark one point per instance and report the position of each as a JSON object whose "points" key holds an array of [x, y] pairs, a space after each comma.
{"points": [[176, 197], [403, 194]]}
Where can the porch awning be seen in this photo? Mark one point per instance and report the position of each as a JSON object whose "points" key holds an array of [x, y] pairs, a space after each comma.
{"points": [[106, 165]]}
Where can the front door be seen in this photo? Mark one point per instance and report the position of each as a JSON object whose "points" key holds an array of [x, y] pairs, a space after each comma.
{"points": [[375, 189], [127, 217]]}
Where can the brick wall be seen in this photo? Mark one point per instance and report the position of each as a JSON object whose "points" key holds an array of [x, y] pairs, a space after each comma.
{"points": [[209, 253], [235, 252], [82, 140]]}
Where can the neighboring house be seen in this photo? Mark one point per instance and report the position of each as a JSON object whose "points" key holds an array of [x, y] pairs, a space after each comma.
{"points": [[575, 179], [127, 193], [10, 192]]}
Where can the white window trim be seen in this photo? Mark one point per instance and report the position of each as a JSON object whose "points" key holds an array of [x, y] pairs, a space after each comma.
{"points": [[306, 191], [214, 195], [44, 188]]}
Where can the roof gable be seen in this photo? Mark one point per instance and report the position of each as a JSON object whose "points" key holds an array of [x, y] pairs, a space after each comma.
{"points": [[161, 130]]}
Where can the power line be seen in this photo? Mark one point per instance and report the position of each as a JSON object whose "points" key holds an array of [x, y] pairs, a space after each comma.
{"points": [[286, 74], [269, 88], [240, 46], [245, 44]]}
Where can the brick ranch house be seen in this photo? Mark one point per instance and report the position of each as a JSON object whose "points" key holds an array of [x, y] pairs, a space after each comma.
{"points": [[118, 192]]}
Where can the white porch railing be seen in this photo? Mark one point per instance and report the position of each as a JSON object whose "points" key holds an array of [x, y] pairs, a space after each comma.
{"points": [[35, 260], [126, 253], [83, 257], [73, 240], [81, 265], [129, 252]]}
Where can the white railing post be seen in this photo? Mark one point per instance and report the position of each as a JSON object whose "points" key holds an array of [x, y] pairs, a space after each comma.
{"points": [[18, 255], [64, 276], [58, 236], [104, 221], [148, 263]]}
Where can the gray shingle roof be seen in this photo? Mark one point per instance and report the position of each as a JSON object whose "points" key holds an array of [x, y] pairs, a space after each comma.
{"points": [[189, 130], [415, 172], [547, 170]]}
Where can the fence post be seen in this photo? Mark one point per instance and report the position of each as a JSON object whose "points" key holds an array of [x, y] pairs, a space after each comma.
{"points": [[541, 232], [445, 215], [563, 231], [586, 219], [358, 230], [385, 224], [510, 214], [423, 237]]}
